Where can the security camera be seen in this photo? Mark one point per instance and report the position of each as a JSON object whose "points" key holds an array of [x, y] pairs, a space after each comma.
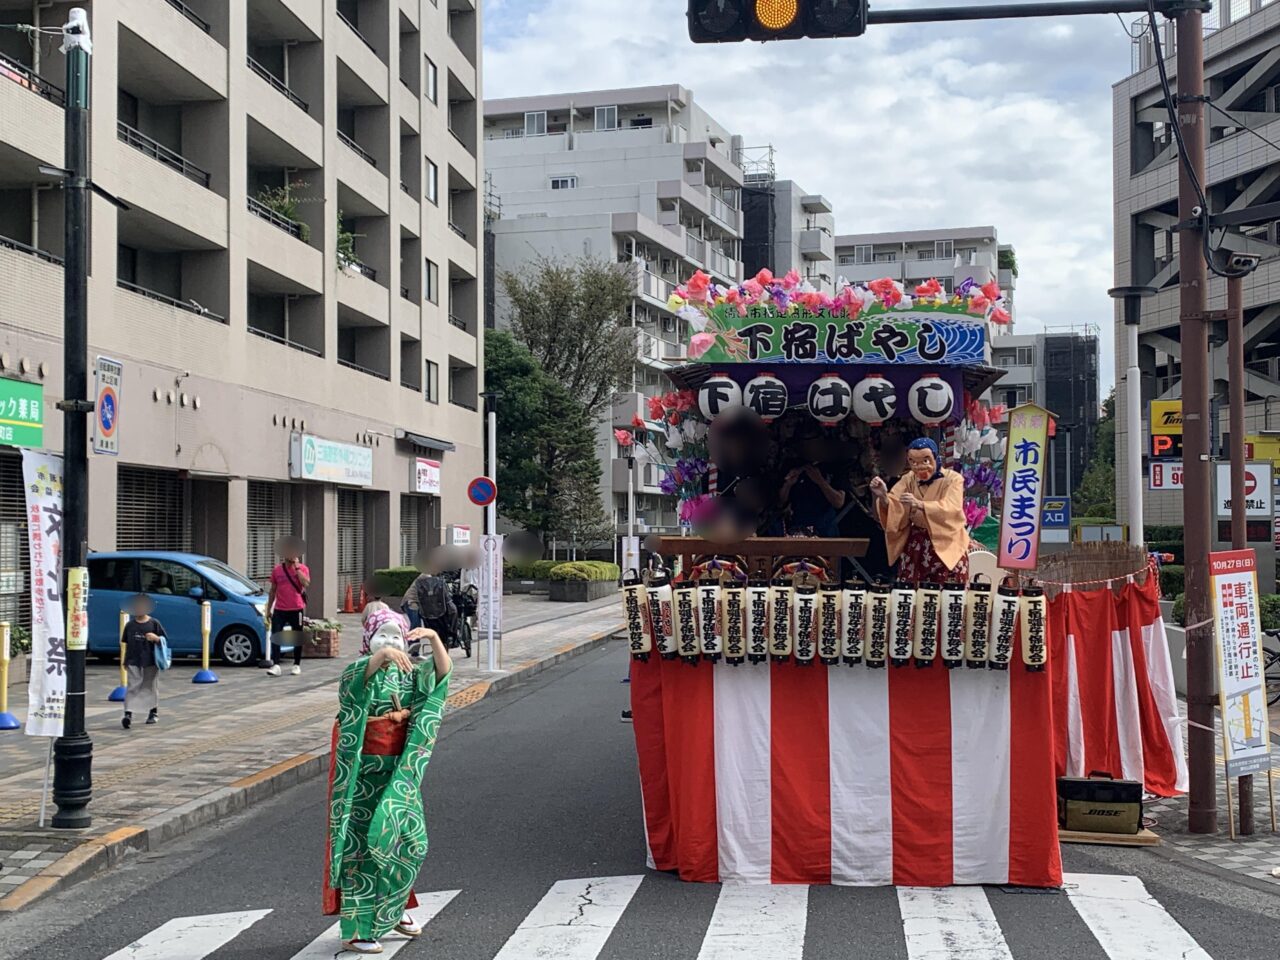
{"points": [[1243, 262]]}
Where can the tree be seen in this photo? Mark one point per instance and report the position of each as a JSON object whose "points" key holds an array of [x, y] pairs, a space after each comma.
{"points": [[544, 437], [1096, 496], [573, 315], [580, 517]]}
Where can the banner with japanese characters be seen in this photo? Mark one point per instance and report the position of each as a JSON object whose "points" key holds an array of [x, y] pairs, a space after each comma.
{"points": [[1242, 689], [47, 690], [1024, 487]]}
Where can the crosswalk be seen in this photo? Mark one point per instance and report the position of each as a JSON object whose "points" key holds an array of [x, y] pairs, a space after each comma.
{"points": [[575, 919]]}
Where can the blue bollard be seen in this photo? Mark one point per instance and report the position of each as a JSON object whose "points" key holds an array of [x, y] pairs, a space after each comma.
{"points": [[117, 695], [9, 722], [205, 676]]}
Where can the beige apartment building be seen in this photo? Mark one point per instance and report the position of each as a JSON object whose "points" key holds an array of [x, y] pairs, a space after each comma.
{"points": [[287, 365]]}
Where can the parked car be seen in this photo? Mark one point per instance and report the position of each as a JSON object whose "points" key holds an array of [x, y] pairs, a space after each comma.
{"points": [[178, 583]]}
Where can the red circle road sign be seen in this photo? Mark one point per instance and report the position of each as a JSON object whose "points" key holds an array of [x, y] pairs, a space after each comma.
{"points": [[1250, 483], [482, 491]]}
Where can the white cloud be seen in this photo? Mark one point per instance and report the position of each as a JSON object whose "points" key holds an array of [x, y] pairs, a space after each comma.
{"points": [[1002, 122]]}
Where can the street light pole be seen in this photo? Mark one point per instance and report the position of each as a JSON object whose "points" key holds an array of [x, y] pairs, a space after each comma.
{"points": [[1132, 298], [73, 751], [1239, 541]]}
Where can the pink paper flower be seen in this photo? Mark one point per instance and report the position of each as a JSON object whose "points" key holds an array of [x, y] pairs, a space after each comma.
{"points": [[637, 422], [656, 409], [791, 280], [1001, 316], [764, 277], [697, 287], [991, 290], [699, 344], [978, 304], [930, 288], [625, 438]]}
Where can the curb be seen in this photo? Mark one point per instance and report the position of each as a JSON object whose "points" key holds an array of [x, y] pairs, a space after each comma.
{"points": [[101, 853]]}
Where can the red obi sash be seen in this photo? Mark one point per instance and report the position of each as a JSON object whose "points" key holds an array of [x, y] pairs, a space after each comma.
{"points": [[384, 737]]}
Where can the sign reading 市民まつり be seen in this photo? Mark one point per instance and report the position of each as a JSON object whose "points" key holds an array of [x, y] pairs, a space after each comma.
{"points": [[1024, 488]]}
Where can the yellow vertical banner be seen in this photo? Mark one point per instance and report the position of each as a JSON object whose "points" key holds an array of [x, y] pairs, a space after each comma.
{"points": [[77, 594], [1024, 467]]}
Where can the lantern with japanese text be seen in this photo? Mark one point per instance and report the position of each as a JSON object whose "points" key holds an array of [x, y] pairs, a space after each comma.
{"points": [[780, 639], [952, 644], [686, 622], [924, 641], [767, 396], [635, 602], [853, 620], [661, 619], [830, 399], [1004, 627], [902, 606], [877, 630], [806, 620], [733, 599], [875, 400], [977, 624], [757, 620], [931, 400], [829, 600], [709, 619], [1033, 610], [718, 393]]}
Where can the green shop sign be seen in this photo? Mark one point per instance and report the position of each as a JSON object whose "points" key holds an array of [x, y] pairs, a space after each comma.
{"points": [[939, 335], [21, 413]]}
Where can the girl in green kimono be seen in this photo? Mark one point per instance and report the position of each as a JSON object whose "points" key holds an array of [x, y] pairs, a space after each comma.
{"points": [[389, 710]]}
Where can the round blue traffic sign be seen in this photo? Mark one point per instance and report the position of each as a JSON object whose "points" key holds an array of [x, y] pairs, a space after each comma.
{"points": [[482, 491], [107, 411]]}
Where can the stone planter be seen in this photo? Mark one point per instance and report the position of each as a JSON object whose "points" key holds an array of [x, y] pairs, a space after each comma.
{"points": [[519, 586], [581, 591], [322, 645]]}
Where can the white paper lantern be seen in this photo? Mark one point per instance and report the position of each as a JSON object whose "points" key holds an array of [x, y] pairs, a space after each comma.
{"points": [[830, 399], [875, 400], [717, 394], [931, 400], [767, 396]]}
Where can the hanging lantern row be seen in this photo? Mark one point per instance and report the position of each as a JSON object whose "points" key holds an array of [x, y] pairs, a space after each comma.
{"points": [[757, 620], [873, 399]]}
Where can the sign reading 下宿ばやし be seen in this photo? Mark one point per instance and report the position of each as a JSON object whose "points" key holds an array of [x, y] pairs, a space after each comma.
{"points": [[426, 476], [21, 413], [312, 458], [1024, 487], [1257, 490], [1242, 689], [940, 335], [1166, 418]]}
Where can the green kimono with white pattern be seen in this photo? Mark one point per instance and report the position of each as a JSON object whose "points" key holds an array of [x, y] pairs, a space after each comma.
{"points": [[377, 828]]}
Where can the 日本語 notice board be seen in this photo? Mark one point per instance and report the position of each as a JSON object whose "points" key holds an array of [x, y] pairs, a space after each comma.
{"points": [[1242, 691]]}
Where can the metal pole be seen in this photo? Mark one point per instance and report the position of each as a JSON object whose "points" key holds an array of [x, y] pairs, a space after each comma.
{"points": [[1202, 814], [491, 523], [1133, 438], [1235, 410], [73, 751], [1061, 8]]}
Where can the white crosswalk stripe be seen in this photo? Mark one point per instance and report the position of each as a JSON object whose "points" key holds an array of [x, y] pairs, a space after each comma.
{"points": [[573, 920], [190, 938], [950, 923], [329, 944], [757, 921], [1128, 922]]}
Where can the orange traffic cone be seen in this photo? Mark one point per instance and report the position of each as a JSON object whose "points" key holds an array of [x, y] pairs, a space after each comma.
{"points": [[363, 599], [348, 606]]}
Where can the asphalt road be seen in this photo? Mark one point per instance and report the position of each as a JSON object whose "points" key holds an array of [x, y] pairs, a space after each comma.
{"points": [[537, 785]]}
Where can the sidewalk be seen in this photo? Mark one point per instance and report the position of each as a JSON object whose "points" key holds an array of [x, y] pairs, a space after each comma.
{"points": [[221, 747]]}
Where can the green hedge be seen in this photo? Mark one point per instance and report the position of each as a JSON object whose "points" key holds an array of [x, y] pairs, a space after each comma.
{"points": [[1268, 611], [1088, 521], [396, 580], [1155, 533], [1173, 579], [586, 570], [537, 570]]}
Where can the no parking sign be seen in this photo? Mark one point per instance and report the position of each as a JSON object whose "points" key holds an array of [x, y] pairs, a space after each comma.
{"points": [[482, 491], [109, 376]]}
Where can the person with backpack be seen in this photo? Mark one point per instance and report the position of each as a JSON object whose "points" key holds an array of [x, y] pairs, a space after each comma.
{"points": [[427, 604], [287, 601]]}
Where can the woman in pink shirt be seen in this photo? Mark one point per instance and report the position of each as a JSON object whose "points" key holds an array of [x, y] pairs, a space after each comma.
{"points": [[287, 601]]}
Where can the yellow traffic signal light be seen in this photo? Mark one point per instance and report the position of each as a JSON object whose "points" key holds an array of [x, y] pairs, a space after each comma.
{"points": [[728, 21], [776, 15]]}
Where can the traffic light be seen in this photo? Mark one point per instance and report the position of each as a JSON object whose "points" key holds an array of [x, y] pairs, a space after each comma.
{"points": [[729, 21]]}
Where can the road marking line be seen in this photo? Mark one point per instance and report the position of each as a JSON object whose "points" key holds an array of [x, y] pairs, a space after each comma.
{"points": [[572, 921], [328, 945], [1127, 921], [950, 923], [190, 938], [750, 922]]}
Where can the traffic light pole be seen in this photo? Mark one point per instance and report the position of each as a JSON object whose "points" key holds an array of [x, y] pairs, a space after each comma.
{"points": [[1016, 11]]}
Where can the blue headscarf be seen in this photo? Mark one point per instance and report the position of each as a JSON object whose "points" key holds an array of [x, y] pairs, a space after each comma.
{"points": [[924, 443]]}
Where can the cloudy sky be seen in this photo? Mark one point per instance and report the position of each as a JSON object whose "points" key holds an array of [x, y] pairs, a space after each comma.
{"points": [[911, 127]]}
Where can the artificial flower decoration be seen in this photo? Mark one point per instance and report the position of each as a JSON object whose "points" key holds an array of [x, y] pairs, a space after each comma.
{"points": [[1001, 316], [625, 438], [638, 422], [700, 343]]}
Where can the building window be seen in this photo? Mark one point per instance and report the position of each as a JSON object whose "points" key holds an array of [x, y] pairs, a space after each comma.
{"points": [[863, 253], [641, 123], [564, 183], [431, 384], [606, 118], [886, 258], [1026, 356], [433, 82], [944, 249], [433, 282], [535, 124], [433, 182]]}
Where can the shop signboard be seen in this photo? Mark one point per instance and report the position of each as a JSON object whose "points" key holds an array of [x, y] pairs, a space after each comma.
{"points": [[328, 461], [1165, 475], [459, 535], [1055, 520], [426, 476], [21, 413], [1242, 689], [1166, 418]]}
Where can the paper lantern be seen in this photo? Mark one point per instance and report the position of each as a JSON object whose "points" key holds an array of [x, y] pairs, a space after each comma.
{"points": [[757, 615], [977, 624], [902, 605], [924, 640], [686, 623], [931, 400], [829, 601], [1033, 609], [877, 645], [635, 602], [830, 399], [733, 599], [952, 645], [718, 393], [709, 620], [660, 616], [767, 396], [806, 620], [875, 400], [780, 640], [1004, 627], [853, 621]]}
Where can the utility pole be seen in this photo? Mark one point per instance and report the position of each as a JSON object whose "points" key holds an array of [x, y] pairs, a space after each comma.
{"points": [[1132, 298], [73, 751], [1235, 403]]}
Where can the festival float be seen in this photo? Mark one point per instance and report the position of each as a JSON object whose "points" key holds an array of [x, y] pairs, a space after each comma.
{"points": [[802, 717]]}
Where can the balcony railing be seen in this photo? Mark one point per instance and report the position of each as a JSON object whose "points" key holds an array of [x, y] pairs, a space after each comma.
{"points": [[405, 292], [277, 83], [352, 365], [457, 136], [459, 231], [190, 14], [188, 305], [653, 286], [404, 188], [24, 77], [354, 29], [456, 321], [158, 151], [276, 338], [415, 387], [360, 151], [260, 209], [695, 248], [33, 251], [362, 268], [465, 404]]}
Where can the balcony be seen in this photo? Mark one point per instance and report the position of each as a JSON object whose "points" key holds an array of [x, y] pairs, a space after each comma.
{"points": [[277, 84], [360, 66], [291, 227], [276, 338], [282, 266], [23, 269], [721, 265], [25, 77], [190, 306], [354, 29], [817, 245], [162, 154], [653, 287], [695, 248], [362, 297], [165, 47], [31, 116], [362, 153]]}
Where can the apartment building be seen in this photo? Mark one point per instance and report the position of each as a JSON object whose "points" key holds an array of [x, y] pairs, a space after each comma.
{"points": [[290, 284], [787, 228], [952, 255], [643, 177], [1242, 75]]}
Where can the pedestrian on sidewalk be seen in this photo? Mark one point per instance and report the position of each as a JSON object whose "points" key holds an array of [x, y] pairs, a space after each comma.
{"points": [[389, 709], [287, 601], [142, 634]]}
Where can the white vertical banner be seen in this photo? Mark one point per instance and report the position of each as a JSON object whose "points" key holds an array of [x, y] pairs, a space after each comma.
{"points": [[489, 580], [47, 691]]}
